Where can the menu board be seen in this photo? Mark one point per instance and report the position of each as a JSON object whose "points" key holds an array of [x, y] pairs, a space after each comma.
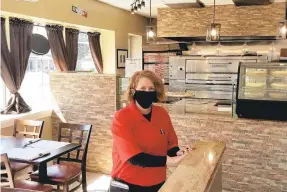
{"points": [[132, 65]]}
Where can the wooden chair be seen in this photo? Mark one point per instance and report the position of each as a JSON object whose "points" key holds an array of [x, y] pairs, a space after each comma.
{"points": [[24, 184], [32, 129], [36, 126], [64, 174], [8, 189]]}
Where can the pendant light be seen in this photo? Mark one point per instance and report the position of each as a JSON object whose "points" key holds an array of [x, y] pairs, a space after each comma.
{"points": [[282, 26], [213, 31], [150, 29]]}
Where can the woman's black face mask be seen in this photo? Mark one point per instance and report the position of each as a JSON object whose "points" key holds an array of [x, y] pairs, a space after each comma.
{"points": [[145, 98]]}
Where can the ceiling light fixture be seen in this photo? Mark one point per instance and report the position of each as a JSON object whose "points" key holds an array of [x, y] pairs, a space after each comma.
{"points": [[150, 29], [213, 31], [282, 26], [137, 5], [132, 10]]}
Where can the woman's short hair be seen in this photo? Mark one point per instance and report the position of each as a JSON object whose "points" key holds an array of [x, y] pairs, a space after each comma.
{"points": [[158, 84]]}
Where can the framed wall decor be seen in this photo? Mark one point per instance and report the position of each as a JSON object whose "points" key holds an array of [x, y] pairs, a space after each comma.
{"points": [[122, 55]]}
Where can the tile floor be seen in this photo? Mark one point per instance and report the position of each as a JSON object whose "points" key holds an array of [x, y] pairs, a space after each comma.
{"points": [[97, 182]]}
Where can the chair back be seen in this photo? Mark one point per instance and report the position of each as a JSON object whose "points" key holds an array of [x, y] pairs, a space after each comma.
{"points": [[78, 134], [31, 128], [6, 170]]}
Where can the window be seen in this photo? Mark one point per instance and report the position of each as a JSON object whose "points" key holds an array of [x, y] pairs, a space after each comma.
{"points": [[5, 94], [35, 88], [85, 61]]}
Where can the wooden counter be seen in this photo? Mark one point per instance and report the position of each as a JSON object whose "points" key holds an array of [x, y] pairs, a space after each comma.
{"points": [[200, 171]]}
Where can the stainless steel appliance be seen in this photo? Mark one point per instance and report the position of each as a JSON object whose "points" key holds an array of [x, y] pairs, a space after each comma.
{"points": [[209, 76]]}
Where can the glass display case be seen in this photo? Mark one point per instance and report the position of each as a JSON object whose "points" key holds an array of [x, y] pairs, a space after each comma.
{"points": [[262, 91]]}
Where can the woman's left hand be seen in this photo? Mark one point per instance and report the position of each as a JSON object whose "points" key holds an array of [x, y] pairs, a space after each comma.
{"points": [[185, 149]]}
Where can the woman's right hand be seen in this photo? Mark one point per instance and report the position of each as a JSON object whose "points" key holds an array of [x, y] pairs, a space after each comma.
{"points": [[174, 161]]}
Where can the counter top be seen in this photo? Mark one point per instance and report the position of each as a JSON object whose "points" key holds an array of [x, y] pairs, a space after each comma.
{"points": [[197, 171], [197, 106]]}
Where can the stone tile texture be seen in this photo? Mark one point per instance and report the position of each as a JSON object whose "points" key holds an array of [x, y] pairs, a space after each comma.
{"points": [[255, 158], [235, 21]]}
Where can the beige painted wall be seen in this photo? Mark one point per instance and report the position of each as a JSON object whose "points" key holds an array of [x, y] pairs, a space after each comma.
{"points": [[135, 46], [100, 15]]}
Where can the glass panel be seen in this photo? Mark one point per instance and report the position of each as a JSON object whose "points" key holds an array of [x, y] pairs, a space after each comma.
{"points": [[85, 61], [35, 88], [263, 82]]}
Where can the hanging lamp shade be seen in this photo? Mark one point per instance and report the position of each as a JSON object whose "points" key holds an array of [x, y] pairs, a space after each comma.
{"points": [[151, 33], [150, 29], [213, 32]]}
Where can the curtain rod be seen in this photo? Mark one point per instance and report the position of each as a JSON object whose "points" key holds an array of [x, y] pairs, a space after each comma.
{"points": [[39, 25]]}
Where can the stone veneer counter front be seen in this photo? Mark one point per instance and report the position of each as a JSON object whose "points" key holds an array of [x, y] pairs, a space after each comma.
{"points": [[256, 151]]}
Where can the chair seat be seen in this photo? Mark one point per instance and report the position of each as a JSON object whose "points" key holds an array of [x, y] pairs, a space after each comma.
{"points": [[31, 185], [60, 173], [16, 166]]}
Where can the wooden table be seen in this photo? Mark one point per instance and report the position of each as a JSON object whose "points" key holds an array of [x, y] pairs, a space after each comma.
{"points": [[9, 143], [200, 171]]}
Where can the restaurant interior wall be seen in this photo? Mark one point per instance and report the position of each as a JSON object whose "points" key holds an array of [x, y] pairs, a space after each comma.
{"points": [[35, 87], [100, 15], [135, 46], [87, 98], [235, 21]]}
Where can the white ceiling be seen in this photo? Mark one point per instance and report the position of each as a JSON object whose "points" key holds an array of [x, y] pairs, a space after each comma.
{"points": [[126, 4]]}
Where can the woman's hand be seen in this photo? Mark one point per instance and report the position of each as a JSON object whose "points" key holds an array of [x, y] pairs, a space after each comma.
{"points": [[185, 149], [174, 161]]}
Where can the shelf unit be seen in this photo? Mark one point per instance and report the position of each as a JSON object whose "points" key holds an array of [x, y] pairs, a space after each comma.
{"points": [[158, 62]]}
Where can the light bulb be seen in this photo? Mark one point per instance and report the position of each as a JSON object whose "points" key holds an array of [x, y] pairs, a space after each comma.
{"points": [[283, 30], [139, 5], [210, 156], [150, 33], [213, 32]]}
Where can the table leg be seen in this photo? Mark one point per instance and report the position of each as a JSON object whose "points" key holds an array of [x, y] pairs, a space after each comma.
{"points": [[43, 172], [35, 168]]}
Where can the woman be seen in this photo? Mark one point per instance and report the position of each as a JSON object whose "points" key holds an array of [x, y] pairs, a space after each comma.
{"points": [[144, 140]]}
